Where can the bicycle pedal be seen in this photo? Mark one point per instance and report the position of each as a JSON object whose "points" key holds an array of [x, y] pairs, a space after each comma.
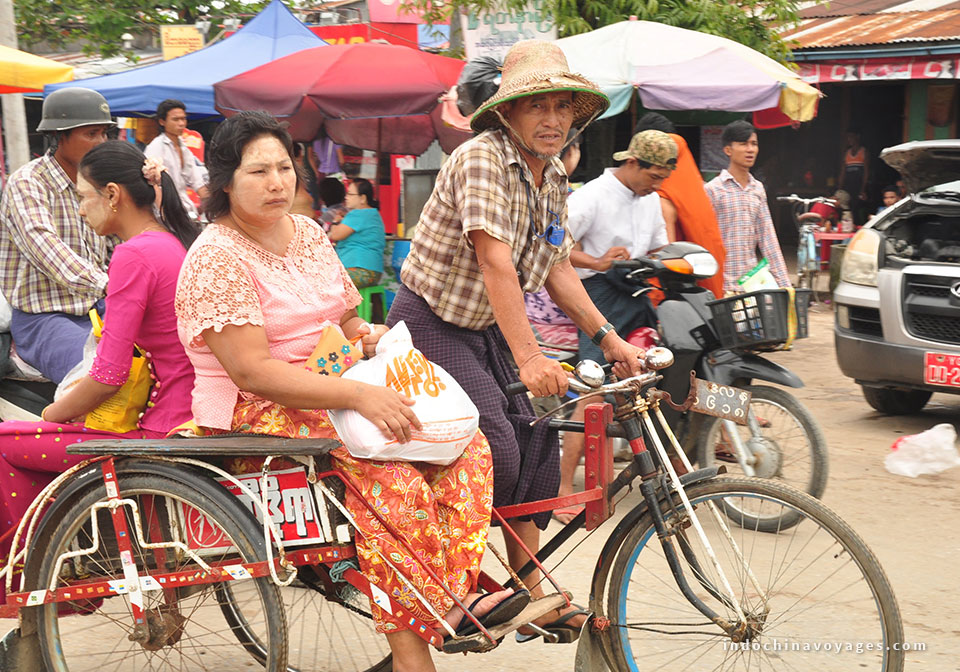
{"points": [[478, 643]]}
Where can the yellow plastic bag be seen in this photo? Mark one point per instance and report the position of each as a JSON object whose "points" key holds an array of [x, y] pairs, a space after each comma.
{"points": [[121, 412]]}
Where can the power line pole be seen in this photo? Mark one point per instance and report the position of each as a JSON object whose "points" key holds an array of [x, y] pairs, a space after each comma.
{"points": [[14, 112]]}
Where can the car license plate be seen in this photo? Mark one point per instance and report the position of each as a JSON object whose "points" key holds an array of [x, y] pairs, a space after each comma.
{"points": [[941, 369]]}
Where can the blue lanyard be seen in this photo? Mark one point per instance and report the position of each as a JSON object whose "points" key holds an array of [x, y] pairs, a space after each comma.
{"points": [[554, 233]]}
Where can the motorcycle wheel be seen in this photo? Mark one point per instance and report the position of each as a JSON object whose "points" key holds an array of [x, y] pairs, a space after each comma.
{"points": [[791, 449]]}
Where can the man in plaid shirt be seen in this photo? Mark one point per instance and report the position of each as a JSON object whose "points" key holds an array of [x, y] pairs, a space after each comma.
{"points": [[52, 265], [740, 202]]}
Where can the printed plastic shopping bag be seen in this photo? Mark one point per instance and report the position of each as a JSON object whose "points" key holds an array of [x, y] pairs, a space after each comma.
{"points": [[449, 418]]}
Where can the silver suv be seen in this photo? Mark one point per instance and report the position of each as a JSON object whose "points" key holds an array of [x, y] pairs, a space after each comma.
{"points": [[898, 302]]}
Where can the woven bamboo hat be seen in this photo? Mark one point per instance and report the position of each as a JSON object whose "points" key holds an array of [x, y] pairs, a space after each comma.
{"points": [[535, 66]]}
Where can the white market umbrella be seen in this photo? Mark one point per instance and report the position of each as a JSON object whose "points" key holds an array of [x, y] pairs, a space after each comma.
{"points": [[678, 69]]}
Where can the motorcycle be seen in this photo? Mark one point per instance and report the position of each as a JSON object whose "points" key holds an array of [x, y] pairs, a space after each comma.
{"points": [[781, 439]]}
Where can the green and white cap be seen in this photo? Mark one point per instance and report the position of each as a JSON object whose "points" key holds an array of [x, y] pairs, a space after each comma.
{"points": [[653, 147]]}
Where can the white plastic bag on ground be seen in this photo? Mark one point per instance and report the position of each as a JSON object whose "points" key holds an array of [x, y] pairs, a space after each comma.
{"points": [[449, 418], [928, 452]]}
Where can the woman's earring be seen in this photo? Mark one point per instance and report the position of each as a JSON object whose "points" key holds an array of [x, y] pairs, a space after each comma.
{"points": [[113, 208]]}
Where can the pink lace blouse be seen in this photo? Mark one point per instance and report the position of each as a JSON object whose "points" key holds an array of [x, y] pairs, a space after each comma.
{"points": [[227, 279], [141, 285]]}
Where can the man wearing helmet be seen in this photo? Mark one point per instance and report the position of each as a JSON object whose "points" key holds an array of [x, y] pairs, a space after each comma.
{"points": [[52, 265], [494, 228]]}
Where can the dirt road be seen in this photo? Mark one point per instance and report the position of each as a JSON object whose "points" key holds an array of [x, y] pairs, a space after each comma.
{"points": [[911, 524]]}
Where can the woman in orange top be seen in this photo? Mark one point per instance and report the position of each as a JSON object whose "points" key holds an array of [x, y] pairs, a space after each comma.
{"points": [[686, 207]]}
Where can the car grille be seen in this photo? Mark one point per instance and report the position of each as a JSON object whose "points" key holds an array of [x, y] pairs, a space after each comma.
{"points": [[865, 321], [930, 312]]}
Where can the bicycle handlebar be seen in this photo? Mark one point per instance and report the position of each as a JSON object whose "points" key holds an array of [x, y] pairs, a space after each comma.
{"points": [[626, 385]]}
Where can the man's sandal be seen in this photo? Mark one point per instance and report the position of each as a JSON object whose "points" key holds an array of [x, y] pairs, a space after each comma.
{"points": [[502, 612], [562, 631]]}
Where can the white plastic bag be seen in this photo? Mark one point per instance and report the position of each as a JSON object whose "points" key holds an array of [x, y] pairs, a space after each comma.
{"points": [[449, 418], [76, 374], [928, 452]]}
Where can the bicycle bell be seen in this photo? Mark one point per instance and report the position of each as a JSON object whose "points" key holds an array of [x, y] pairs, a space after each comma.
{"points": [[659, 358], [590, 373]]}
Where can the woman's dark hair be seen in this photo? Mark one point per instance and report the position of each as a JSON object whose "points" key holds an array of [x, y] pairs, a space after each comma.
{"points": [[365, 188], [331, 191], [737, 131], [225, 152], [122, 163]]}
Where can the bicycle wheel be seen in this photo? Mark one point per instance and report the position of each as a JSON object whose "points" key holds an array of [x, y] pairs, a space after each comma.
{"points": [[185, 627], [792, 449], [819, 586], [330, 628]]}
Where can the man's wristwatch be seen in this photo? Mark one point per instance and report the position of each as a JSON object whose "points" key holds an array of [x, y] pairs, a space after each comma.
{"points": [[601, 332]]}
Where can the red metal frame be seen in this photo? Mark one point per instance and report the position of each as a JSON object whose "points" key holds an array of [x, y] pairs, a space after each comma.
{"points": [[599, 475]]}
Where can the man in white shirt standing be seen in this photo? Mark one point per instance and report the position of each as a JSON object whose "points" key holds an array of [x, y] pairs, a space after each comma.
{"points": [[182, 166], [616, 216]]}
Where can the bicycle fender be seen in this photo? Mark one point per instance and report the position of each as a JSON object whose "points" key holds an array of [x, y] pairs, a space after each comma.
{"points": [[726, 367]]}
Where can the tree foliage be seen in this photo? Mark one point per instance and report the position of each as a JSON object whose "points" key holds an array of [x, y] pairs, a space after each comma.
{"points": [[750, 22], [100, 24]]}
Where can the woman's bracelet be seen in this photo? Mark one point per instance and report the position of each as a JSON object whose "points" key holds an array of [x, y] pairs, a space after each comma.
{"points": [[43, 413]]}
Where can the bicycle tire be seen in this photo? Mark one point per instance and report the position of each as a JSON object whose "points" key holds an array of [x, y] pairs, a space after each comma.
{"points": [[794, 445], [80, 635], [332, 633], [820, 574]]}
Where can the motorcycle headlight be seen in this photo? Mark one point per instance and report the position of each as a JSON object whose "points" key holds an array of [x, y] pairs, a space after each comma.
{"points": [[860, 261]]}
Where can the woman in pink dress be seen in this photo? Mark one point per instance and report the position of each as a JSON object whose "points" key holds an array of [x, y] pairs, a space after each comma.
{"points": [[117, 191], [256, 292]]}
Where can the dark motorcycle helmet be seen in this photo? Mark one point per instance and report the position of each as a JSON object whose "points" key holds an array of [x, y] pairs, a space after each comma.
{"points": [[74, 107]]}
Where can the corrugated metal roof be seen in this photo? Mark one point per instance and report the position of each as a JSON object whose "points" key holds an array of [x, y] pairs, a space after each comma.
{"points": [[853, 7], [875, 29], [85, 65]]}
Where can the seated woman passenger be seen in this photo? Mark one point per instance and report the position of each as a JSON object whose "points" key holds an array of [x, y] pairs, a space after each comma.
{"points": [[360, 236], [257, 289], [117, 190]]}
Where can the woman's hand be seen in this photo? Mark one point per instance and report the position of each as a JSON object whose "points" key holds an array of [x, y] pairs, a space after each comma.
{"points": [[387, 409], [628, 360], [371, 336]]}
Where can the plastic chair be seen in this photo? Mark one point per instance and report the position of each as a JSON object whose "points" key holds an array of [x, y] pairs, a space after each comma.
{"points": [[365, 309]]}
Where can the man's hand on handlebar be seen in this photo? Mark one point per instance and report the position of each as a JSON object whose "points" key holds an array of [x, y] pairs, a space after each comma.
{"points": [[613, 254], [628, 360], [543, 376]]}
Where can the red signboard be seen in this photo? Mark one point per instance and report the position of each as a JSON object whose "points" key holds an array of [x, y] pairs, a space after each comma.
{"points": [[404, 34], [290, 504], [875, 70]]}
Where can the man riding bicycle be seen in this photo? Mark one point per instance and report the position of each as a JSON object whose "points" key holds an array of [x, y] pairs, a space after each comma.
{"points": [[493, 229]]}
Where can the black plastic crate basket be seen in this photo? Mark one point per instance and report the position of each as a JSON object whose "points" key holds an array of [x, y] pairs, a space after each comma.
{"points": [[759, 320]]}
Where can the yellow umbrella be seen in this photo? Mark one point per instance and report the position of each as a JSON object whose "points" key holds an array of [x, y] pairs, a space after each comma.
{"points": [[22, 72]]}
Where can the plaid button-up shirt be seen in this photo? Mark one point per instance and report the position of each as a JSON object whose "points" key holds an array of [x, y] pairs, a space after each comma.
{"points": [[50, 260], [487, 186], [746, 225]]}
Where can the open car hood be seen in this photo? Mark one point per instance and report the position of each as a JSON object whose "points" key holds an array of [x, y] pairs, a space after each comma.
{"points": [[925, 163]]}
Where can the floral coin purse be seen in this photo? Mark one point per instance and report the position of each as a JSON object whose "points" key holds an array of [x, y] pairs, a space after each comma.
{"points": [[334, 354]]}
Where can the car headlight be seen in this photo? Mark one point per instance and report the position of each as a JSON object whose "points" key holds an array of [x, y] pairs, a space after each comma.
{"points": [[860, 261]]}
